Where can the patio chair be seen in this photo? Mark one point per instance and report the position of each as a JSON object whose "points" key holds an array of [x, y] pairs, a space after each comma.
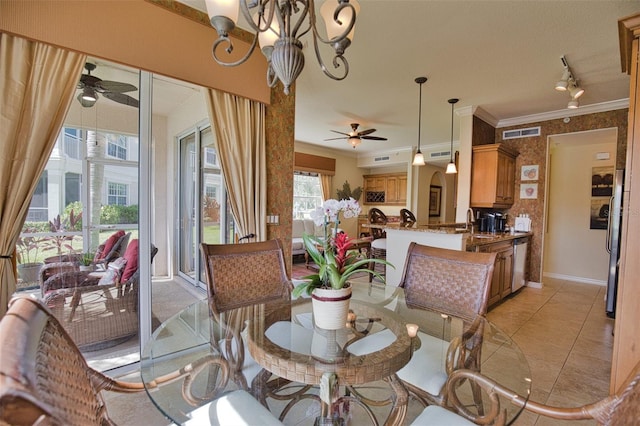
{"points": [[238, 277], [454, 283], [45, 380], [107, 252], [621, 408], [379, 242], [98, 310]]}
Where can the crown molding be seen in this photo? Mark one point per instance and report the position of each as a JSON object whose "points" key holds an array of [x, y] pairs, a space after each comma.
{"points": [[554, 115]]}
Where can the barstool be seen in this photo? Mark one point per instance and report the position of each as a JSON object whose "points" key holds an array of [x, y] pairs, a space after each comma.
{"points": [[379, 242], [407, 219]]}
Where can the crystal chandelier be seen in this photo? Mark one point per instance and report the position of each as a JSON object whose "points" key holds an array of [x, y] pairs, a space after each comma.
{"points": [[278, 26]]}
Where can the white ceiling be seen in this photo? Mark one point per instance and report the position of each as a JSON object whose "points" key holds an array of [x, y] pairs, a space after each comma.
{"points": [[500, 56]]}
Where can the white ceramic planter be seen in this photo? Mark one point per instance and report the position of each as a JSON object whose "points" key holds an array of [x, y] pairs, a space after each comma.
{"points": [[29, 272], [331, 307]]}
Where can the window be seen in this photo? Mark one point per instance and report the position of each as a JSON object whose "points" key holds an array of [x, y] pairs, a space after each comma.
{"points": [[210, 157], [71, 143], [307, 194], [117, 146], [211, 191], [71, 188], [117, 194], [38, 209]]}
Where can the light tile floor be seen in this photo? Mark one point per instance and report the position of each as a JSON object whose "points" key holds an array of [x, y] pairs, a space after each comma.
{"points": [[562, 330]]}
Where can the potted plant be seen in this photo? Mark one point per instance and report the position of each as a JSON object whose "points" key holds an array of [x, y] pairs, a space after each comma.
{"points": [[27, 250], [86, 261], [336, 264]]}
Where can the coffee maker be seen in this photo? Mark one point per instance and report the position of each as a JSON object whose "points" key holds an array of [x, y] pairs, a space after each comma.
{"points": [[493, 222]]}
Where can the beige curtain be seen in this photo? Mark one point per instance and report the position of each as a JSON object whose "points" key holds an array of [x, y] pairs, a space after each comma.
{"points": [[37, 84], [325, 182], [239, 126]]}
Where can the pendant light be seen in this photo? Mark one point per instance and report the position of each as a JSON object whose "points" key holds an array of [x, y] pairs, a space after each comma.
{"points": [[418, 159], [451, 167]]}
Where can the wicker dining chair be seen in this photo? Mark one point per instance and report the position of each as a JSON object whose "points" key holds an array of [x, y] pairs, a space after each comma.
{"points": [[454, 283], [238, 277], [45, 380], [379, 242], [619, 409]]}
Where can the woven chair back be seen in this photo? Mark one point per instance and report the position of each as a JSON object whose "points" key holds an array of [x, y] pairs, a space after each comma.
{"points": [[377, 217], [245, 274], [625, 406], [407, 219], [42, 372], [448, 281]]}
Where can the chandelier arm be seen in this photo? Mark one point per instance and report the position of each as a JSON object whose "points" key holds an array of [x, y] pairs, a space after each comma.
{"points": [[261, 8], [272, 78], [229, 49], [337, 58], [336, 13]]}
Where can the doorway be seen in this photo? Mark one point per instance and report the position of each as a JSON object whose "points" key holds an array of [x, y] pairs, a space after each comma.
{"points": [[575, 247]]}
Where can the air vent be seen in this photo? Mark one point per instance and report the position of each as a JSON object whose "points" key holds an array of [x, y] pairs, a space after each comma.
{"points": [[521, 133], [384, 158], [439, 154]]}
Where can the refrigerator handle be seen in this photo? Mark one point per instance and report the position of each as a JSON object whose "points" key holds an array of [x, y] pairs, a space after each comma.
{"points": [[608, 244]]}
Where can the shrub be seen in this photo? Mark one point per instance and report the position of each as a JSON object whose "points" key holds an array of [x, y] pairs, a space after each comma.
{"points": [[115, 215], [76, 208]]}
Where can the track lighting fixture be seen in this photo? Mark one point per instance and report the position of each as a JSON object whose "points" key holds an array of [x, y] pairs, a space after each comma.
{"points": [[568, 83], [451, 167], [418, 159]]}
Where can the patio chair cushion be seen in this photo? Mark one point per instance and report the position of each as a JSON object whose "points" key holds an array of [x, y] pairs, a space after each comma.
{"points": [[111, 241], [114, 272], [131, 256]]}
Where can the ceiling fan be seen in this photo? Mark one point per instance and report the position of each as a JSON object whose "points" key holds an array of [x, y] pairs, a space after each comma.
{"points": [[354, 136], [114, 90]]}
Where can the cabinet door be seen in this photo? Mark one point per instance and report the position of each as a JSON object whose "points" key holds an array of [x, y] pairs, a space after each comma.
{"points": [[507, 273], [505, 186], [495, 291], [392, 189], [402, 189]]}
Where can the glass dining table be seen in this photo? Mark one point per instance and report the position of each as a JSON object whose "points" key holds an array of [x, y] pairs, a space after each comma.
{"points": [[306, 375]]}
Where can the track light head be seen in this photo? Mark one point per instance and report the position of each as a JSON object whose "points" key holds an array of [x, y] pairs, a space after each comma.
{"points": [[562, 84], [574, 90], [573, 104]]}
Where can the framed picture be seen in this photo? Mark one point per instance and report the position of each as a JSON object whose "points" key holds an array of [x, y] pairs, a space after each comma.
{"points": [[528, 191], [599, 217], [435, 193], [602, 181], [529, 172]]}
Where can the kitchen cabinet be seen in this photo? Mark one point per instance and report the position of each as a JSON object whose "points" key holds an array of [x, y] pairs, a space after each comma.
{"points": [[502, 271], [388, 189], [493, 176]]}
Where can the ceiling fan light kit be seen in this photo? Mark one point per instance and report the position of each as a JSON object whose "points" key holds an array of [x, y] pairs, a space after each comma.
{"points": [[418, 158], [568, 83], [113, 90], [354, 137], [451, 167], [278, 25]]}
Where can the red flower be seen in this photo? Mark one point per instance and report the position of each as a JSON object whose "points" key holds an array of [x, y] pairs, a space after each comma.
{"points": [[342, 245]]}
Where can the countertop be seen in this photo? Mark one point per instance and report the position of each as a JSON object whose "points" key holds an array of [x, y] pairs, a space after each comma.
{"points": [[487, 238]]}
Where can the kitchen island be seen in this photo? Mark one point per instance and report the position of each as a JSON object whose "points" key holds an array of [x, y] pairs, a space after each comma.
{"points": [[449, 236]]}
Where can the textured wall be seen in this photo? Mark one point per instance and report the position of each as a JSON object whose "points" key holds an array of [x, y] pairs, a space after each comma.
{"points": [[279, 128], [533, 150]]}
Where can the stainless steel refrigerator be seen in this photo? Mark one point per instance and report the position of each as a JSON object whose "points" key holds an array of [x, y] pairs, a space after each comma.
{"points": [[613, 241]]}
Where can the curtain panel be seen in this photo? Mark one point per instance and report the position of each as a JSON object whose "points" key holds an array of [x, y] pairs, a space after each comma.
{"points": [[37, 84], [239, 126], [325, 182]]}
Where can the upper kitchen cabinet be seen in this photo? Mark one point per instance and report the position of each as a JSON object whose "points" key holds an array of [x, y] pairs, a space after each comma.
{"points": [[389, 189], [493, 174]]}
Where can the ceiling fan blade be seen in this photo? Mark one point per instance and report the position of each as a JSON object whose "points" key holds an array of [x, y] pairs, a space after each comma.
{"points": [[341, 133], [366, 132], [122, 99], [334, 139], [115, 86], [374, 138]]}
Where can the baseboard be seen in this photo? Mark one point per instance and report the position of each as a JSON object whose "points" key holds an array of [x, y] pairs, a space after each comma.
{"points": [[576, 279], [534, 284]]}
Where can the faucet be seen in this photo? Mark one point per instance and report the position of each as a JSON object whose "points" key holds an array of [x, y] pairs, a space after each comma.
{"points": [[470, 219]]}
